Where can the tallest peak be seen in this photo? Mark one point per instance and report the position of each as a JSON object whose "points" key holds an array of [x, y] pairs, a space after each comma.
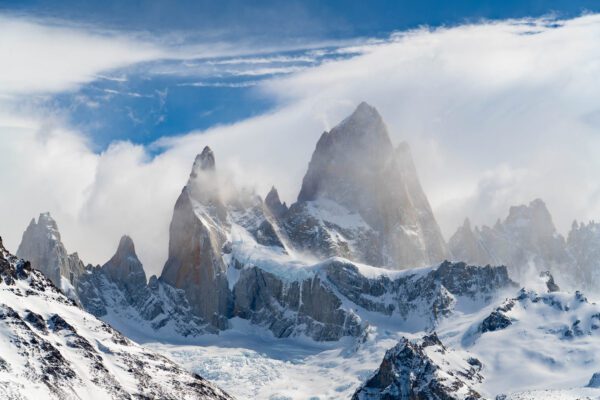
{"points": [[365, 112], [365, 107], [204, 161]]}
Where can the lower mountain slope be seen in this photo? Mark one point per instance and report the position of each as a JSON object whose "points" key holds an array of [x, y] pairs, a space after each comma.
{"points": [[52, 349]]}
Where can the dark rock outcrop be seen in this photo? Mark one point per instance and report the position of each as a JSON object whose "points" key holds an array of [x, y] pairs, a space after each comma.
{"points": [[274, 204], [408, 372]]}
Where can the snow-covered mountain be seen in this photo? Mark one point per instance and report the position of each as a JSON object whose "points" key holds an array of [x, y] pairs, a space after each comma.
{"points": [[540, 344], [528, 243], [52, 349], [423, 369], [354, 271], [242, 257]]}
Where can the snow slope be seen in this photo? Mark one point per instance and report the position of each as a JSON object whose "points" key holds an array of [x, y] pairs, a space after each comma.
{"points": [[543, 353], [52, 349]]}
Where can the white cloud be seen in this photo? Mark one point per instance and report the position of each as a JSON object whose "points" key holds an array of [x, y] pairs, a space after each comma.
{"points": [[495, 117], [49, 58]]}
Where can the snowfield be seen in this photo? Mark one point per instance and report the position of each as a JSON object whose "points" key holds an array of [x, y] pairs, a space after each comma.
{"points": [[538, 356]]}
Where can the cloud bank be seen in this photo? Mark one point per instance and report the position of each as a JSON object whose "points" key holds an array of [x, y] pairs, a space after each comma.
{"points": [[496, 113]]}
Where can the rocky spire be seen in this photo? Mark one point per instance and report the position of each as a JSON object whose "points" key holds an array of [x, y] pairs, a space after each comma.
{"points": [[274, 204], [204, 161], [41, 245], [358, 144], [196, 236], [465, 245], [356, 166], [203, 185], [124, 267]]}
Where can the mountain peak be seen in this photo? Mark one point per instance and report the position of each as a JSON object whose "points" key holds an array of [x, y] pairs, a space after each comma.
{"points": [[124, 267], [356, 166], [365, 122], [534, 216], [274, 204], [204, 161], [365, 110], [467, 224], [41, 245], [48, 224], [126, 246], [358, 146]]}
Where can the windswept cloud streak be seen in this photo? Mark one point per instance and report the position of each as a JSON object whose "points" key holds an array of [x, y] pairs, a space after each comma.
{"points": [[496, 114], [39, 58]]}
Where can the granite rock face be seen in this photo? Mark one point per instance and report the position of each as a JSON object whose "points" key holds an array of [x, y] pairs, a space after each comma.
{"points": [[307, 307], [125, 268], [197, 235], [274, 204], [528, 243], [427, 296], [408, 371], [41, 245], [331, 303], [381, 215]]}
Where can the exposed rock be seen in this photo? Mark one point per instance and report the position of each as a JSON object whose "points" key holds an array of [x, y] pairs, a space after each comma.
{"points": [[125, 268], [120, 286], [494, 322], [306, 307], [318, 306], [42, 246], [594, 381], [583, 243], [356, 167], [466, 245], [273, 203], [409, 372], [51, 348], [197, 235], [549, 279]]}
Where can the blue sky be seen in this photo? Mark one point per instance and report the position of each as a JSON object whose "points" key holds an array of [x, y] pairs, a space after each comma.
{"points": [[146, 101]]}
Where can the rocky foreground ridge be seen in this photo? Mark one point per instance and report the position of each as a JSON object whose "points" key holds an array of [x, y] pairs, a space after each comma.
{"points": [[52, 349]]}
